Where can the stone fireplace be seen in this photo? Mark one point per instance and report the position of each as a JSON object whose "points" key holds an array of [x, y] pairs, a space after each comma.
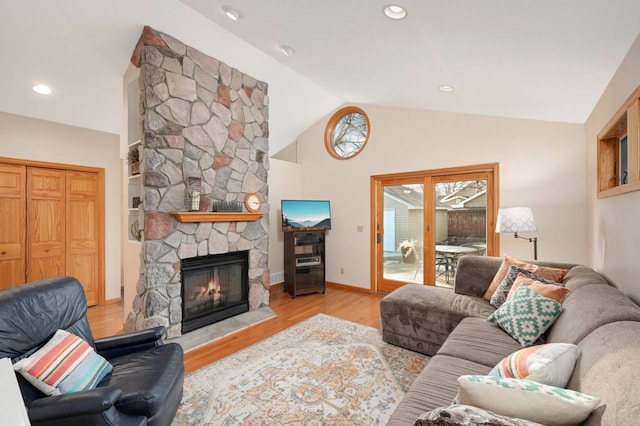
{"points": [[200, 118]]}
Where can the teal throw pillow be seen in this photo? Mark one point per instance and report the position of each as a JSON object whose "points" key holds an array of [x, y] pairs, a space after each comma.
{"points": [[526, 315]]}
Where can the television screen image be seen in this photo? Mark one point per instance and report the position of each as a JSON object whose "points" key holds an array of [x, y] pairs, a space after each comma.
{"points": [[306, 215]]}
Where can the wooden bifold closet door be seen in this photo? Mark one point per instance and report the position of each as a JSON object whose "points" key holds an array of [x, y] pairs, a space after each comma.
{"points": [[53, 226], [45, 223], [12, 229], [82, 241]]}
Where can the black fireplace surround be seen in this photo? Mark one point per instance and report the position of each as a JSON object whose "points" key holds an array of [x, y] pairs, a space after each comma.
{"points": [[214, 288]]}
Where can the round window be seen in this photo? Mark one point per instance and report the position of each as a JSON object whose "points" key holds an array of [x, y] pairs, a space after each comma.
{"points": [[347, 132]]}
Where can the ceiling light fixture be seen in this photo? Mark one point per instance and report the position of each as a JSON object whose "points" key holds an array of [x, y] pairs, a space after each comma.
{"points": [[286, 50], [42, 89], [446, 88], [396, 12], [231, 13]]}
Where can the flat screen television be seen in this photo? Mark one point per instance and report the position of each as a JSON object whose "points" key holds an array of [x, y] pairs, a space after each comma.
{"points": [[306, 215]]}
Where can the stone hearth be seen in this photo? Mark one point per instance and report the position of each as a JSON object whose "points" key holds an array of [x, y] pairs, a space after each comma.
{"points": [[200, 118]]}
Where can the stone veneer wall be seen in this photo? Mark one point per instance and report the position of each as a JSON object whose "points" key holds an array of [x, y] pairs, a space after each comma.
{"points": [[200, 118]]}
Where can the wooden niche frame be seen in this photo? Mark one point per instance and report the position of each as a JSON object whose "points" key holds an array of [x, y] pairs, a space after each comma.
{"points": [[626, 122]]}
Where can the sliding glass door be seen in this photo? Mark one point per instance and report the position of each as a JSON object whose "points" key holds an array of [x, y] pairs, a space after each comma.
{"points": [[425, 221]]}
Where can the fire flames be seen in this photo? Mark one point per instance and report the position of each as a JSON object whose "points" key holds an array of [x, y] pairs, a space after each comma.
{"points": [[210, 291]]}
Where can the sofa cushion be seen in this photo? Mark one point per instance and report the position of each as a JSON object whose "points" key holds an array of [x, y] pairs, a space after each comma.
{"points": [[479, 341], [580, 276], [420, 318], [474, 274], [524, 399], [466, 415], [607, 367], [550, 364], [589, 307], [65, 364], [526, 315], [435, 386], [145, 378]]}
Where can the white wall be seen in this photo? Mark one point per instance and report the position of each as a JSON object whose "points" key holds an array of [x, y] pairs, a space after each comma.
{"points": [[614, 222], [38, 140], [542, 165], [285, 183]]}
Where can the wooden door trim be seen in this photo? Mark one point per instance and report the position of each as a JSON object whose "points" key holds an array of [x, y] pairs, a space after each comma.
{"points": [[48, 165], [375, 211], [493, 201], [100, 203], [487, 167]]}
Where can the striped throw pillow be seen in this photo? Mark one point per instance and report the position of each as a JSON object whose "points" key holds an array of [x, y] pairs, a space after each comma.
{"points": [[66, 364], [550, 364]]}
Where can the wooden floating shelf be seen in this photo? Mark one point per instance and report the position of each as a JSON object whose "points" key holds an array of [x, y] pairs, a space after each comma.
{"points": [[216, 216]]}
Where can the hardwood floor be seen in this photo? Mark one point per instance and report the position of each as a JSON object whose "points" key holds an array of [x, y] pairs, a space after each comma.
{"points": [[352, 305]]}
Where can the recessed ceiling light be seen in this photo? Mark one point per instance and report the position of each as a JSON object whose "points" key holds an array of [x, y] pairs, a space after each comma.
{"points": [[286, 50], [231, 13], [446, 88], [393, 11], [42, 89]]}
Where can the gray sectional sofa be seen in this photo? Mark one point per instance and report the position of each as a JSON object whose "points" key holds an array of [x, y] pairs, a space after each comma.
{"points": [[452, 327]]}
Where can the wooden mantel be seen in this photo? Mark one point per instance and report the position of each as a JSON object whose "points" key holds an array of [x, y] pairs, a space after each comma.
{"points": [[216, 216]]}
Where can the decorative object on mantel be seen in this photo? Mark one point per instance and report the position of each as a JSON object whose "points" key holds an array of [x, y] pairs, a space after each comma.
{"points": [[518, 219], [133, 156], [192, 194], [253, 202], [227, 206], [205, 202], [135, 202]]}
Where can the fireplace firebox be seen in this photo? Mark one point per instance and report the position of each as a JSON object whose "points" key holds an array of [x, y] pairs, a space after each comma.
{"points": [[214, 288]]}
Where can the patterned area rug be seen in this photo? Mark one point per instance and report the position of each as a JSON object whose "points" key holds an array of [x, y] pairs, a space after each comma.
{"points": [[322, 371]]}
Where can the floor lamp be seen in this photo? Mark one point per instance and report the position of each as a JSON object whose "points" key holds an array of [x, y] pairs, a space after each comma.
{"points": [[518, 219]]}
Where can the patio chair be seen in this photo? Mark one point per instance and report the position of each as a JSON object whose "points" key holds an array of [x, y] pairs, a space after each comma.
{"points": [[441, 261]]}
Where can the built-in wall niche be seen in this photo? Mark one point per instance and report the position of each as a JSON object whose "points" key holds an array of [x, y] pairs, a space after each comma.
{"points": [[619, 150]]}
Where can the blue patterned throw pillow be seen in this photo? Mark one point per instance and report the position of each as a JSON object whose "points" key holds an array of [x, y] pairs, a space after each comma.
{"points": [[526, 315]]}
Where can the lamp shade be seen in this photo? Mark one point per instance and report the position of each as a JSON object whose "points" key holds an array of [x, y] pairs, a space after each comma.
{"points": [[515, 219]]}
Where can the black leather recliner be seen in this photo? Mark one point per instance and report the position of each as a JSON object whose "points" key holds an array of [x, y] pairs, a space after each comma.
{"points": [[144, 388]]}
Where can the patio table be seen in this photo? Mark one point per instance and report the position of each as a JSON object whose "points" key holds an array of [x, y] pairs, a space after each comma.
{"points": [[451, 254]]}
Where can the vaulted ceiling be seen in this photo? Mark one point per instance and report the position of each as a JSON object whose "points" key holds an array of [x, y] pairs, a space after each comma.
{"points": [[544, 59]]}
